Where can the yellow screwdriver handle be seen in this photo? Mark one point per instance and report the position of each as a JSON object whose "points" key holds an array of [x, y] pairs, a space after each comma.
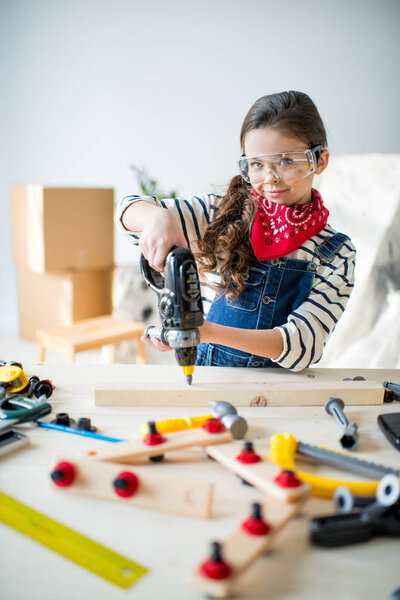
{"points": [[171, 425]]}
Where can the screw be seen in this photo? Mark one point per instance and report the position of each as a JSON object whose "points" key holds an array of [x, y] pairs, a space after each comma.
{"points": [[334, 407], [255, 524], [84, 424], [215, 567]]}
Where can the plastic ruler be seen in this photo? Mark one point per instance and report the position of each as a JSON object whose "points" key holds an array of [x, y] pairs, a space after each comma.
{"points": [[98, 559]]}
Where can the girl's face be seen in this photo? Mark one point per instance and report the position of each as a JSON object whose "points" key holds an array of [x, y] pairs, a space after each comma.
{"points": [[266, 140]]}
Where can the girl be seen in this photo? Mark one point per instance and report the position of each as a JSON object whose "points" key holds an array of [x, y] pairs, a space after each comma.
{"points": [[280, 276]]}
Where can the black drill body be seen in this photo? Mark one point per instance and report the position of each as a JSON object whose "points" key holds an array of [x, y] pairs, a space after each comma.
{"points": [[179, 302]]}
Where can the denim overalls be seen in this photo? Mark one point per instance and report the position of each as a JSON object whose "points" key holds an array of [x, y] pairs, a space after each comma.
{"points": [[273, 290]]}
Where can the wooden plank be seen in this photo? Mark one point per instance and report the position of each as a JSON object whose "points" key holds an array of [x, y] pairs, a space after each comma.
{"points": [[134, 451], [256, 393], [157, 490], [241, 549], [261, 474]]}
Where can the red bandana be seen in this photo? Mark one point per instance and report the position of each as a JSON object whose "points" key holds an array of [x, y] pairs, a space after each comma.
{"points": [[278, 230]]}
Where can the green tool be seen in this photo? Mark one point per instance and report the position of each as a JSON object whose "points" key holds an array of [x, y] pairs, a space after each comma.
{"points": [[98, 559]]}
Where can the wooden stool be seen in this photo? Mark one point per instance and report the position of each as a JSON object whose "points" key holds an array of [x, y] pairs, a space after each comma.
{"points": [[91, 333]]}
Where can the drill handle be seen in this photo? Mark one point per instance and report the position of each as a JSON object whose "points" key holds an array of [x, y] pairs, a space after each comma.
{"points": [[153, 278]]}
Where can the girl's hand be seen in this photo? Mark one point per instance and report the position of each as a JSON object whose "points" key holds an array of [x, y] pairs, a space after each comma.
{"points": [[155, 343], [160, 233]]}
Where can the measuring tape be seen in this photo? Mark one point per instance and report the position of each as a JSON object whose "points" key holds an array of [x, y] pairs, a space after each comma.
{"points": [[72, 545]]}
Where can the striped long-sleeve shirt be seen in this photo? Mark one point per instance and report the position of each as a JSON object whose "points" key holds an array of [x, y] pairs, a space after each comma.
{"points": [[308, 327]]}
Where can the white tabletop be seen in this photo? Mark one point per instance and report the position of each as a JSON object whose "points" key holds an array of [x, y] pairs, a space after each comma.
{"points": [[170, 545]]}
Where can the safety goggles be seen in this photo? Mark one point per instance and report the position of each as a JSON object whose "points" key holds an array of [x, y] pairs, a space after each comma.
{"points": [[287, 166]]}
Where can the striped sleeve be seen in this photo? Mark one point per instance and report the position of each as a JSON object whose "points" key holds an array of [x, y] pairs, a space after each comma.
{"points": [[193, 214], [309, 327]]}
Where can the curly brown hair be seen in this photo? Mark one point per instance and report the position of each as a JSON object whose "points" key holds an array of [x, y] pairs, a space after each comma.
{"points": [[225, 247]]}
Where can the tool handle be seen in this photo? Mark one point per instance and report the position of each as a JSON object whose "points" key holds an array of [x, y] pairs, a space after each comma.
{"points": [[153, 278], [340, 530], [171, 425], [24, 409]]}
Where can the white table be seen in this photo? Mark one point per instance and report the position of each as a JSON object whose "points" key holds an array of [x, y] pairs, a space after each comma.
{"points": [[172, 545]]}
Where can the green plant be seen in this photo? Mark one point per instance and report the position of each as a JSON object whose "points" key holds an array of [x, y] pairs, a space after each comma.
{"points": [[150, 186]]}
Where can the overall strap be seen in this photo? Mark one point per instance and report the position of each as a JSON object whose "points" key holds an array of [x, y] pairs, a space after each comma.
{"points": [[331, 244]]}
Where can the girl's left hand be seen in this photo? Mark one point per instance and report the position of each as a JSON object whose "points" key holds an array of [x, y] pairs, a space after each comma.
{"points": [[155, 343], [205, 333]]}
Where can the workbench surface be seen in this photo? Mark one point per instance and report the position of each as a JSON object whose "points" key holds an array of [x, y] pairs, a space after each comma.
{"points": [[170, 545]]}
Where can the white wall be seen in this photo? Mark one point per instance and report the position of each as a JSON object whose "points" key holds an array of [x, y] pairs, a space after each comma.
{"points": [[89, 87]]}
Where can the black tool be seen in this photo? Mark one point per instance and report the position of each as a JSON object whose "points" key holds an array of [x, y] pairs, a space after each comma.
{"points": [[83, 423], [389, 424], [381, 517], [392, 391], [180, 306], [334, 407]]}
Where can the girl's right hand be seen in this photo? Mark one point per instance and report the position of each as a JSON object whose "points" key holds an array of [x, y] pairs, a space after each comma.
{"points": [[160, 233]]}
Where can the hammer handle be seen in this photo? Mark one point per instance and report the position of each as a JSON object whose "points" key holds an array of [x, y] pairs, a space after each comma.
{"points": [[171, 425]]}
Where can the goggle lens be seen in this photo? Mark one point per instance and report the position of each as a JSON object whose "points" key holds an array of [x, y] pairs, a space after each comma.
{"points": [[288, 166]]}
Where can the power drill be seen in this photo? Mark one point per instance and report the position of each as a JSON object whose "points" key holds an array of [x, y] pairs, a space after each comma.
{"points": [[180, 306]]}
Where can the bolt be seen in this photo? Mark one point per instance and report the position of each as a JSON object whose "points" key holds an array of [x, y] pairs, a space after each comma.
{"points": [[214, 425], [215, 567], [153, 438], [63, 474], [334, 407], [287, 479], [63, 419], [247, 454], [43, 387], [126, 484], [255, 524], [84, 424]]}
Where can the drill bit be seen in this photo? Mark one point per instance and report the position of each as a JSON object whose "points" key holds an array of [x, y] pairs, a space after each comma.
{"points": [[189, 379]]}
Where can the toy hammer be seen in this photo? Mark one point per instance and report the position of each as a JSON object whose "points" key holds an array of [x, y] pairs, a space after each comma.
{"points": [[220, 409]]}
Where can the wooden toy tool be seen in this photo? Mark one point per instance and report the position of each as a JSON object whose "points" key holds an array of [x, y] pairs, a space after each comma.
{"points": [[251, 464], [218, 575], [155, 444], [139, 486]]}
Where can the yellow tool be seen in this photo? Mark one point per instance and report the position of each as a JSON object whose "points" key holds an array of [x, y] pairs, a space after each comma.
{"points": [[171, 425], [282, 453], [12, 378], [113, 567]]}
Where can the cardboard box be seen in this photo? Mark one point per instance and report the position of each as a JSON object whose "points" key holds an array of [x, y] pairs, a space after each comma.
{"points": [[59, 229], [59, 299]]}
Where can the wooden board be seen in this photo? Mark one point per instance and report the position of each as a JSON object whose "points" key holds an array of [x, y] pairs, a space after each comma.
{"points": [[261, 474], [157, 490], [267, 393], [134, 451], [240, 549]]}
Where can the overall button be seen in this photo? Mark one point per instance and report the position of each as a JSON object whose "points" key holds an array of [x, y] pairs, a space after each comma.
{"points": [[266, 300], [275, 262], [255, 363], [312, 266]]}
